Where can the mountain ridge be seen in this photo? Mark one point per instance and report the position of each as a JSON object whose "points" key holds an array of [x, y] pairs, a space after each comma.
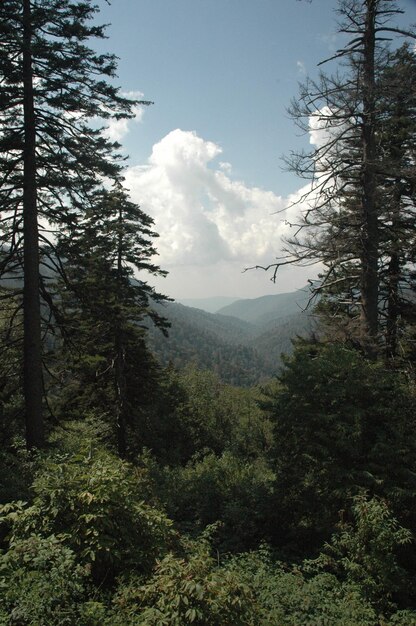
{"points": [[266, 307], [244, 348], [211, 305]]}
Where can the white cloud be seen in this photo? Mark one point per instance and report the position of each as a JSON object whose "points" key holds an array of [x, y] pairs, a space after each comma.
{"points": [[321, 127], [226, 278], [301, 67], [202, 215], [226, 167]]}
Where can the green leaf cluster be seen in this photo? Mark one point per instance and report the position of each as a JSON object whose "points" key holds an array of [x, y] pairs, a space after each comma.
{"points": [[94, 504], [191, 589]]}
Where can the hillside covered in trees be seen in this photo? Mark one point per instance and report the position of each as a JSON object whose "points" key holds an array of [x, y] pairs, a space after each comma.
{"points": [[243, 343], [201, 479]]}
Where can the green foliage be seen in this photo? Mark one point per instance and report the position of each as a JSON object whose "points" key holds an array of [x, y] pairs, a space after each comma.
{"points": [[365, 553], [342, 424], [17, 467], [402, 618], [112, 369], [94, 504], [191, 589], [41, 584], [221, 417], [194, 411], [162, 427], [11, 370], [90, 388], [53, 85], [223, 488], [208, 410], [286, 596], [94, 548]]}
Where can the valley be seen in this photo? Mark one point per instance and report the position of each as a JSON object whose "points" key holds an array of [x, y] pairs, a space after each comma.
{"points": [[242, 341]]}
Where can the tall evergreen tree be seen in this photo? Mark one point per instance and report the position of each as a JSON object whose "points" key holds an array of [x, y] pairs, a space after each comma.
{"points": [[108, 253], [396, 141], [348, 429], [342, 224], [52, 157]]}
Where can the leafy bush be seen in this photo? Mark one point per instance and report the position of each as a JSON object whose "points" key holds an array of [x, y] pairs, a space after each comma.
{"points": [[93, 503], [221, 488], [365, 553], [17, 468], [41, 585], [191, 589], [402, 618], [221, 417], [286, 596]]}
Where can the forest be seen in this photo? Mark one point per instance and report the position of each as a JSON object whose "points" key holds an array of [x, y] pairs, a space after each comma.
{"points": [[140, 491]]}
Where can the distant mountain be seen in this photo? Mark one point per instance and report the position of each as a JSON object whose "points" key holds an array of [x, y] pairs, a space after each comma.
{"points": [[244, 348], [215, 342], [211, 305], [276, 337], [226, 327], [268, 308]]}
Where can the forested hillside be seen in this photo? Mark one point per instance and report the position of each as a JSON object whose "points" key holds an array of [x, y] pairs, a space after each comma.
{"points": [[211, 305], [266, 309], [201, 479], [214, 342], [243, 343]]}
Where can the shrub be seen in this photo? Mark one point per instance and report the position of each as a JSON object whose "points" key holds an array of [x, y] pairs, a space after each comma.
{"points": [[41, 584], [93, 503], [364, 553], [222, 488], [191, 589], [286, 596]]}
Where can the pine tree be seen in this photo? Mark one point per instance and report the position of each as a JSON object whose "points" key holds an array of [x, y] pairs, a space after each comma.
{"points": [[396, 145], [108, 252], [53, 158], [342, 224]]}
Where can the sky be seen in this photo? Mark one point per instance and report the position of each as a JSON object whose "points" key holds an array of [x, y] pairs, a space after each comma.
{"points": [[205, 160]]}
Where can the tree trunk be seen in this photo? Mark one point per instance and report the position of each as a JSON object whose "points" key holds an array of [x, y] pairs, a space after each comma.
{"points": [[32, 368], [395, 270], [370, 226]]}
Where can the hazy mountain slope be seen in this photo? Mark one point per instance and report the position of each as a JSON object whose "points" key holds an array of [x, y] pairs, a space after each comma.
{"points": [[211, 305], [243, 342], [262, 310], [276, 338], [228, 328], [241, 352], [214, 342]]}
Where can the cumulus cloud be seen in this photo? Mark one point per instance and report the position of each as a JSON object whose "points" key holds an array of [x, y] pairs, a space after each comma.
{"points": [[202, 215], [226, 167], [321, 127]]}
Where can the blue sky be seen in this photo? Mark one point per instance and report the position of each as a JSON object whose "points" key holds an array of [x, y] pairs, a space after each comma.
{"points": [[205, 158]]}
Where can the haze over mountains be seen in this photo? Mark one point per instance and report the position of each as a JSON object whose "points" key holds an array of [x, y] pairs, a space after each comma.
{"points": [[242, 340], [211, 305]]}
